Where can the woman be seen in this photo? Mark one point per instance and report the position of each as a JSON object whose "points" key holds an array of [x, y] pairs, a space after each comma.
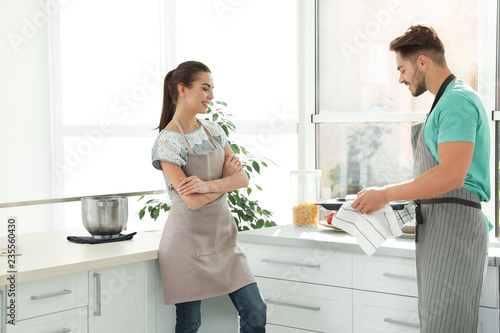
{"points": [[198, 254]]}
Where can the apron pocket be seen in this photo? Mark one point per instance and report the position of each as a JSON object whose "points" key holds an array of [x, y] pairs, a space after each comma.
{"points": [[214, 233]]}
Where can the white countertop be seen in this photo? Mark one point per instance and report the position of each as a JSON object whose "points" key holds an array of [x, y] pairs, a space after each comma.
{"points": [[49, 254], [290, 235]]}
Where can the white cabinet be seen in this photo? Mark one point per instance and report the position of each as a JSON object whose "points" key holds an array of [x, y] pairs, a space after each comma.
{"points": [[318, 289], [271, 328], [41, 297], [123, 298], [306, 289], [488, 320], [385, 274], [387, 279], [379, 312], [310, 265], [57, 304], [307, 306], [74, 321]]}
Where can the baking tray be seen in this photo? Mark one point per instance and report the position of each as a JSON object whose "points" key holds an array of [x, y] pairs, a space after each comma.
{"points": [[335, 204]]}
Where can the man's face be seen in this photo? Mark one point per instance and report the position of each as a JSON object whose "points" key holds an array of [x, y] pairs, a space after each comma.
{"points": [[411, 75]]}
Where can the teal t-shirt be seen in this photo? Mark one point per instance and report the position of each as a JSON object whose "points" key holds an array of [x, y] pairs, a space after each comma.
{"points": [[460, 116]]}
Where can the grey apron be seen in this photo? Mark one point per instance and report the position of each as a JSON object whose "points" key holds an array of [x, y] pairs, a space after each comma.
{"points": [[198, 254], [450, 252]]}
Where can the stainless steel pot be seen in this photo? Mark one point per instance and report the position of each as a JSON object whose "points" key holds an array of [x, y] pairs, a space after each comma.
{"points": [[104, 217]]}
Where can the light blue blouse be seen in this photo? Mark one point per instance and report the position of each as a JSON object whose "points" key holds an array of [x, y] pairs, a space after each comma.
{"points": [[171, 147]]}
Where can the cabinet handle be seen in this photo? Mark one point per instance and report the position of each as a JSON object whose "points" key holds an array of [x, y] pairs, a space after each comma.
{"points": [[291, 305], [401, 322], [398, 276], [58, 293], [64, 330], [281, 262], [97, 278]]}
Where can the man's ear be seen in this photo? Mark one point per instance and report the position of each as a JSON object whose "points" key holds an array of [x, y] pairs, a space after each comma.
{"points": [[422, 62]]}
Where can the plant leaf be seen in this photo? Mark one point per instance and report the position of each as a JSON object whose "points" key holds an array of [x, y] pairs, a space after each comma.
{"points": [[235, 148], [155, 213], [256, 166]]}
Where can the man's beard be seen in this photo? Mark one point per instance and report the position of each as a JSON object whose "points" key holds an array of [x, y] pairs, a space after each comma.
{"points": [[418, 81]]}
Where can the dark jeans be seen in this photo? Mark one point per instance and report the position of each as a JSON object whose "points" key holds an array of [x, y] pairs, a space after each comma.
{"points": [[247, 300]]}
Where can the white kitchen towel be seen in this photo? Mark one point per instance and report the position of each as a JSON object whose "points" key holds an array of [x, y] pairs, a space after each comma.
{"points": [[370, 230]]}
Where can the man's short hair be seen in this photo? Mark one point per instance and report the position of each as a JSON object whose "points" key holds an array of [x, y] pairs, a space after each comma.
{"points": [[419, 39]]}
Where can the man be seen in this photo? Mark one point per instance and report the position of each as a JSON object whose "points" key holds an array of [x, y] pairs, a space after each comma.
{"points": [[451, 176]]}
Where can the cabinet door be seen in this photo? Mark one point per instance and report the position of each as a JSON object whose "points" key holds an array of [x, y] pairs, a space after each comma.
{"points": [[123, 298], [74, 320]]}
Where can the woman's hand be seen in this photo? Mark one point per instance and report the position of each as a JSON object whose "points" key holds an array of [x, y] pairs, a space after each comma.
{"points": [[192, 185], [231, 166]]}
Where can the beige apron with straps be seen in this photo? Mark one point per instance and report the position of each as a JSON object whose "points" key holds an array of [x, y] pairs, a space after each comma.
{"points": [[198, 254]]}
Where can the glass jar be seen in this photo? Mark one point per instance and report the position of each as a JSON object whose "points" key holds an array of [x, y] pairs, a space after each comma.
{"points": [[305, 193]]}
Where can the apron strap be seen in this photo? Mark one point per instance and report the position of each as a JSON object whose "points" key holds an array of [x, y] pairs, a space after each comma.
{"points": [[211, 137], [176, 121], [418, 212], [441, 90]]}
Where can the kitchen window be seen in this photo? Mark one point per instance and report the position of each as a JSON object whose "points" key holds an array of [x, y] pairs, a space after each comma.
{"points": [[363, 115], [108, 83]]}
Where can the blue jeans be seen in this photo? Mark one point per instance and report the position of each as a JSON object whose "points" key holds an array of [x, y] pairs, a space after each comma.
{"points": [[247, 300]]}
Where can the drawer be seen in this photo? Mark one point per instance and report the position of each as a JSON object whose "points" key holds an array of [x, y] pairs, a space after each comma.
{"points": [[40, 297], [490, 293], [270, 328], [307, 306], [385, 274], [398, 276], [488, 320], [376, 312], [312, 265], [74, 320]]}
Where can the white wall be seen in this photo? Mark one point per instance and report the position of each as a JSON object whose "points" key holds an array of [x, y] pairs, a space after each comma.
{"points": [[25, 109]]}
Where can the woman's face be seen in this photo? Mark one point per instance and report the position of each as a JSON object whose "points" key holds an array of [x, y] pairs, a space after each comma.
{"points": [[198, 96]]}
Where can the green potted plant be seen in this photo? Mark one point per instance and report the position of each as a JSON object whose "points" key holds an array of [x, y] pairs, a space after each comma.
{"points": [[248, 214]]}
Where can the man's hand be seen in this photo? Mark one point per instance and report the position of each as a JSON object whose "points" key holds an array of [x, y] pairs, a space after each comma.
{"points": [[369, 200]]}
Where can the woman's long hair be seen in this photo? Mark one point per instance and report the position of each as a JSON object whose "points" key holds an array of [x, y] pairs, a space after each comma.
{"points": [[186, 73]]}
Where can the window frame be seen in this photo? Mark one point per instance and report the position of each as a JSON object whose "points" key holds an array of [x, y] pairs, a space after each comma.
{"points": [[309, 112]]}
